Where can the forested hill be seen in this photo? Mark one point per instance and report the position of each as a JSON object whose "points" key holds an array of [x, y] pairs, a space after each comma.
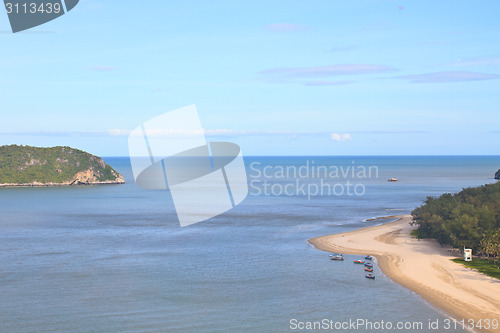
{"points": [[469, 218], [32, 166]]}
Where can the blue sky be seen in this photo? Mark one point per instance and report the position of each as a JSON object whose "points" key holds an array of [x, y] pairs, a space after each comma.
{"points": [[279, 77]]}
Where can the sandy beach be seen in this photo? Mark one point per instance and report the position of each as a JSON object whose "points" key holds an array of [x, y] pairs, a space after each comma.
{"points": [[422, 266]]}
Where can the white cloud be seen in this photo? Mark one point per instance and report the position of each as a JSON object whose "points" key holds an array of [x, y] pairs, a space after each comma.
{"points": [[221, 133], [340, 137], [118, 132]]}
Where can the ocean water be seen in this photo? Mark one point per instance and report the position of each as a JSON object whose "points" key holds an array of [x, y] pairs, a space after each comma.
{"points": [[114, 259]]}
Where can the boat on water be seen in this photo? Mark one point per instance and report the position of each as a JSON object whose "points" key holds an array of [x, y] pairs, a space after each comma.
{"points": [[359, 262], [336, 258], [368, 265], [393, 179], [368, 269], [368, 258], [370, 276]]}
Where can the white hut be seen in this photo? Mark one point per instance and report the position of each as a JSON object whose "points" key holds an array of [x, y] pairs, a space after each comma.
{"points": [[467, 254]]}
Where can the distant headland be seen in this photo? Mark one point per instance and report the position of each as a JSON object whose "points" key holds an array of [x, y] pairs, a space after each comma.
{"points": [[28, 166]]}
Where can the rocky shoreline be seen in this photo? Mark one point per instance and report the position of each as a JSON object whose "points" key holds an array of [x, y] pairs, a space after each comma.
{"points": [[36, 184]]}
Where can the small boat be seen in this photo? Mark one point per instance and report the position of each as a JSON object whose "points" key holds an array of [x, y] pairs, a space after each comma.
{"points": [[370, 276], [336, 255], [368, 269], [336, 258], [359, 262], [393, 179], [368, 265], [368, 258]]}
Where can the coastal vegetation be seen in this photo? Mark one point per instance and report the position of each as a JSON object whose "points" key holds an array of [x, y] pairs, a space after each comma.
{"points": [[469, 218], [482, 265], [33, 166]]}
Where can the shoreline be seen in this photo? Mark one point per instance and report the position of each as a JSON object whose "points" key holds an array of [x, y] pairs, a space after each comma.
{"points": [[422, 266], [105, 182]]}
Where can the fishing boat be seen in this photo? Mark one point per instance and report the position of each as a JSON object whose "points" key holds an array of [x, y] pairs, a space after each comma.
{"points": [[368, 258], [368, 265], [368, 269], [359, 262], [370, 276], [336, 258]]}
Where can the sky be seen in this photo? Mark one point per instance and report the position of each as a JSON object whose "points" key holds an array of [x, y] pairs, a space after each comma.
{"points": [[288, 77]]}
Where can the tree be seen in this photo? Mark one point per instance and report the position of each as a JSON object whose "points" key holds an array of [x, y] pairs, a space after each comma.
{"points": [[486, 245], [490, 245], [469, 218], [495, 245]]}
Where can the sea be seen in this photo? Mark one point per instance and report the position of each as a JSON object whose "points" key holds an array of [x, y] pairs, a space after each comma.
{"points": [[113, 258]]}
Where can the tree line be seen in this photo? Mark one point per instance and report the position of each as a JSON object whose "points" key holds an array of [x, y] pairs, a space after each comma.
{"points": [[469, 218]]}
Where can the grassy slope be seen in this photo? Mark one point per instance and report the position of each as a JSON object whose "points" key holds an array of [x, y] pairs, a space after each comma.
{"points": [[482, 265], [25, 164]]}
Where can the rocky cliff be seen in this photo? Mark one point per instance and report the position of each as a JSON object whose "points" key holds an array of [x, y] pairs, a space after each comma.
{"points": [[497, 174], [56, 166]]}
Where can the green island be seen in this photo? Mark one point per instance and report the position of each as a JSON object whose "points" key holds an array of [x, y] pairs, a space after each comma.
{"points": [[55, 166], [467, 219]]}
